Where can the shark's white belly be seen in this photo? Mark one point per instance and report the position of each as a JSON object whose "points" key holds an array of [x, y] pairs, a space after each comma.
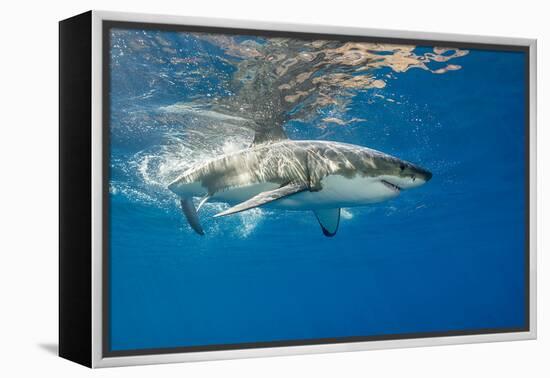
{"points": [[337, 191]]}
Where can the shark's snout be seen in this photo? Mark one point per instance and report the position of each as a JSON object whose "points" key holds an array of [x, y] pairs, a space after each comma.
{"points": [[423, 174], [406, 176], [415, 176]]}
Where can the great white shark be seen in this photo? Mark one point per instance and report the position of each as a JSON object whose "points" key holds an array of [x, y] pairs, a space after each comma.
{"points": [[302, 175]]}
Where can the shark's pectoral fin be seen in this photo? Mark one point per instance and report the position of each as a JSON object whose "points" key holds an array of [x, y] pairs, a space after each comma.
{"points": [[329, 219], [191, 215], [264, 198]]}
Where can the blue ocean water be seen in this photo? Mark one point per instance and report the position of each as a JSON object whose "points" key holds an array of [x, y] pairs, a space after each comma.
{"points": [[445, 257]]}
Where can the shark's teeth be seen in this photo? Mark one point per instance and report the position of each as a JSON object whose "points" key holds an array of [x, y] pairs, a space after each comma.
{"points": [[391, 186]]}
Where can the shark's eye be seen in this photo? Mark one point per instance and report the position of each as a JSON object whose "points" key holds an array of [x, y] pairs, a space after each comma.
{"points": [[402, 166]]}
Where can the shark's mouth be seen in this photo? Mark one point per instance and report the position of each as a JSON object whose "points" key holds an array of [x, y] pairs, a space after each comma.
{"points": [[391, 186]]}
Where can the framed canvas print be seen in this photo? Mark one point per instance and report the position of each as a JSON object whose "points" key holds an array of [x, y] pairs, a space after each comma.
{"points": [[236, 189]]}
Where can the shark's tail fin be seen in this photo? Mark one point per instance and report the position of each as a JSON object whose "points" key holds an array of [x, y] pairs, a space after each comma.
{"points": [[191, 215]]}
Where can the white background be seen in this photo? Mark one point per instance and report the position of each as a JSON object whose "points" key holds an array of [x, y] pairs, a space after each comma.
{"points": [[28, 186]]}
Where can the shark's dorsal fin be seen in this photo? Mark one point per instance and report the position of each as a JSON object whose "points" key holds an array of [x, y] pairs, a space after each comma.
{"points": [[264, 135], [329, 219], [264, 198]]}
